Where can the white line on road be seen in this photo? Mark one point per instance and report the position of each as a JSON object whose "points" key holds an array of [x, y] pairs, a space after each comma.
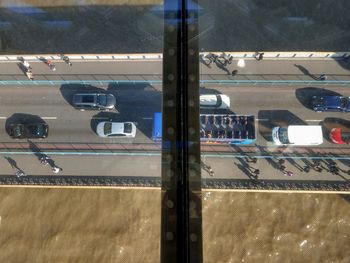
{"points": [[49, 118], [147, 118], [3, 118], [262, 119], [313, 120], [100, 118]]}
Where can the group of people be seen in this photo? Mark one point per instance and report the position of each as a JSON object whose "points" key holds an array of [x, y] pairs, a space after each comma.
{"points": [[223, 59], [45, 160], [28, 69]]}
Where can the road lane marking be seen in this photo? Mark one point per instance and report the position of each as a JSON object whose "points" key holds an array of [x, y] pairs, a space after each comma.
{"points": [[313, 120], [262, 119], [147, 118], [49, 118], [100, 118], [3, 118]]}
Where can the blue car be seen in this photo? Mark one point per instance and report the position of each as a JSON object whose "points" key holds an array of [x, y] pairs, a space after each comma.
{"points": [[330, 103]]}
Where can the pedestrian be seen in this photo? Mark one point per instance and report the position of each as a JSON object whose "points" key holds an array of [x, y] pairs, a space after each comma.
{"points": [[256, 173], [44, 160], [26, 64], [234, 72], [211, 172], [282, 167], [288, 173], [322, 77], [306, 168], [56, 169], [67, 60], [29, 74], [281, 161], [334, 169], [229, 61], [20, 173]]}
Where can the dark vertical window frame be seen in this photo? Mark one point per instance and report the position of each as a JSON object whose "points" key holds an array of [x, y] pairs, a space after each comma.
{"points": [[181, 222]]}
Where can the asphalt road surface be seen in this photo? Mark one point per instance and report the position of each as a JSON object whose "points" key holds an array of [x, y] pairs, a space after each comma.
{"points": [[272, 105]]}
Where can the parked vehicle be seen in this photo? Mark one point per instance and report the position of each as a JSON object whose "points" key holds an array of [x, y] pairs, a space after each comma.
{"points": [[116, 129], [330, 103], [298, 135], [94, 101], [214, 101], [339, 136], [29, 131]]}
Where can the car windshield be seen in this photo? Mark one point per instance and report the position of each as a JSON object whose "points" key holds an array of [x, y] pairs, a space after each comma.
{"points": [[35, 129], [18, 130], [108, 128], [345, 136], [127, 127], [283, 135], [344, 102], [102, 100]]}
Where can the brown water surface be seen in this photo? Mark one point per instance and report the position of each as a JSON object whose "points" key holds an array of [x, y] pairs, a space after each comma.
{"points": [[123, 225]]}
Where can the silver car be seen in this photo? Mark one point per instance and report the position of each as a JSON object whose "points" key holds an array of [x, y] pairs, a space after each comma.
{"points": [[94, 101], [116, 129], [214, 101]]}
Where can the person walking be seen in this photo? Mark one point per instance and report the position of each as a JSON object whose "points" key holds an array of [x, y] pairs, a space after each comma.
{"points": [[20, 173], [44, 160], [29, 74], [66, 59], [322, 77], [26, 64], [211, 172], [256, 173], [56, 169], [288, 173]]}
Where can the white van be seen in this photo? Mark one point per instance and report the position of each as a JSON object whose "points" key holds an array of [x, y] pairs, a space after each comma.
{"points": [[214, 101], [298, 135]]}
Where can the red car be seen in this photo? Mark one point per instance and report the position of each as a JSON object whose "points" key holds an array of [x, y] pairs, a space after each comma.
{"points": [[339, 137]]}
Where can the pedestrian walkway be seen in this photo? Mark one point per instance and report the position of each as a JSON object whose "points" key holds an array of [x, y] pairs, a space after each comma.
{"points": [[267, 71]]}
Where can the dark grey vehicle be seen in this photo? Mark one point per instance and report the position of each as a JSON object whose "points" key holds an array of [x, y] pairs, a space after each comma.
{"points": [[94, 101], [29, 131]]}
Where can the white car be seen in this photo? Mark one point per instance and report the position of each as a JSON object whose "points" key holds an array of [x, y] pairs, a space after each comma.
{"points": [[298, 135], [214, 101], [109, 129]]}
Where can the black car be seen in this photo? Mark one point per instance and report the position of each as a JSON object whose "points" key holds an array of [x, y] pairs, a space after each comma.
{"points": [[94, 101], [29, 131], [330, 103]]}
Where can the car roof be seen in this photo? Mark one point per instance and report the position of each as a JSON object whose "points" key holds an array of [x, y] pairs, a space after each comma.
{"points": [[305, 134], [117, 128]]}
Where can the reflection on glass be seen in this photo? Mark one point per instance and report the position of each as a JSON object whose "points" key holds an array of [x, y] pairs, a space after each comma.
{"points": [[267, 58], [80, 82]]}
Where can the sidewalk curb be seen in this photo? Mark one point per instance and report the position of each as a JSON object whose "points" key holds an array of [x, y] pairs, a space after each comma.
{"points": [[159, 56]]}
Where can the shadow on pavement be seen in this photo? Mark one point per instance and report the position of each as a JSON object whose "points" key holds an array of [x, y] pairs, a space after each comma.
{"points": [[68, 90], [304, 95], [268, 119], [22, 118], [344, 62], [305, 71], [204, 90], [136, 103]]}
